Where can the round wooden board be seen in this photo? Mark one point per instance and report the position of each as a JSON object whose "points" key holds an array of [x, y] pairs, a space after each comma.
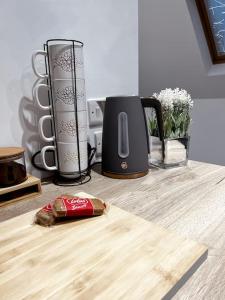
{"points": [[10, 152], [125, 176]]}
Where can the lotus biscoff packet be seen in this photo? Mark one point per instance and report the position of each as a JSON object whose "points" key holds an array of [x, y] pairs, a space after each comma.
{"points": [[74, 206], [67, 206], [45, 216]]}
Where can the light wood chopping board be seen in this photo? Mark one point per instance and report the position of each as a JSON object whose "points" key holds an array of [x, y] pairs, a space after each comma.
{"points": [[114, 256]]}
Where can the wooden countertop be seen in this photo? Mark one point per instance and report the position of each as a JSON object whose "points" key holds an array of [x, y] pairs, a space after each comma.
{"points": [[114, 256], [189, 201]]}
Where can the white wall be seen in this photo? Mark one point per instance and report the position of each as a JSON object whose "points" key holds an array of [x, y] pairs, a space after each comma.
{"points": [[173, 53], [109, 30]]}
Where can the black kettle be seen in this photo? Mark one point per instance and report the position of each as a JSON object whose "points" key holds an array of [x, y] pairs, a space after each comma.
{"points": [[125, 142]]}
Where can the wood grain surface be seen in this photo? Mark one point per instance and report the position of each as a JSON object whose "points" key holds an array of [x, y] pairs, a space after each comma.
{"points": [[115, 256], [189, 201], [10, 152], [25, 190]]}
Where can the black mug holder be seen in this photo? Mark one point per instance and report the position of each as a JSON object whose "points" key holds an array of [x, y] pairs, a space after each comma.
{"points": [[83, 176]]}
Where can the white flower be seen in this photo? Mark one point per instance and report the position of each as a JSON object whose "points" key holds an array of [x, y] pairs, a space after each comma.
{"points": [[169, 97]]}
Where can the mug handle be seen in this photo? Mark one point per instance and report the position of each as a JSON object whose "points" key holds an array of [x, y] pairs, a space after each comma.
{"points": [[43, 151], [40, 129], [34, 55], [36, 97]]}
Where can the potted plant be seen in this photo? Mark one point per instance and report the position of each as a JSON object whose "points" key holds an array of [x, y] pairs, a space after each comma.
{"points": [[176, 110]]}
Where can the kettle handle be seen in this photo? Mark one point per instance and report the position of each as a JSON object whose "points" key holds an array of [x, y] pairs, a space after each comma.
{"points": [[155, 103]]}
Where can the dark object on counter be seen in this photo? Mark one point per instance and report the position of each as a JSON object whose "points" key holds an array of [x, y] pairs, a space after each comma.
{"points": [[12, 166], [125, 144]]}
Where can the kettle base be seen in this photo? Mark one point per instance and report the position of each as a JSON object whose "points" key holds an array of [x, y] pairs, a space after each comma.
{"points": [[124, 176]]}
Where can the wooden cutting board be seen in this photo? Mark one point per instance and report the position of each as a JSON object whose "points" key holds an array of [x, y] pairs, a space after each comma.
{"points": [[114, 256]]}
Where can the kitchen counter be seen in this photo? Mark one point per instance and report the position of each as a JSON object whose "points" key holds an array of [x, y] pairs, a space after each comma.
{"points": [[189, 201]]}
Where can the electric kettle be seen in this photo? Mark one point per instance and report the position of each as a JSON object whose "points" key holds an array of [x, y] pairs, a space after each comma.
{"points": [[125, 141]]}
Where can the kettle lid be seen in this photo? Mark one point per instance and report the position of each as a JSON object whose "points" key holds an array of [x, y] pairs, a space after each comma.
{"points": [[123, 97]]}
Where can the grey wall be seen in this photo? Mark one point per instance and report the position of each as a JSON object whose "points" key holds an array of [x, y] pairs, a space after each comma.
{"points": [[208, 131], [173, 53], [169, 52], [109, 30]]}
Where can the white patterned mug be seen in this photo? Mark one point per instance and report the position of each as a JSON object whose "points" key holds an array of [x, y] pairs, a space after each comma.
{"points": [[65, 127], [63, 95], [41, 123], [61, 61], [67, 162]]}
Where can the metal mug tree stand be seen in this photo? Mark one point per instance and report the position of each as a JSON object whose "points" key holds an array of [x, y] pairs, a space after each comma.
{"points": [[83, 175]]}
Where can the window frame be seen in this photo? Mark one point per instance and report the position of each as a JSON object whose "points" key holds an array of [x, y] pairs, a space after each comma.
{"points": [[202, 10]]}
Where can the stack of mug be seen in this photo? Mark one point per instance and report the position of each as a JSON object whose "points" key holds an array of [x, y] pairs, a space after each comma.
{"points": [[68, 112]]}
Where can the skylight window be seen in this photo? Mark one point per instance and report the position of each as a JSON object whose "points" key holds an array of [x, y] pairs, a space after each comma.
{"points": [[212, 14]]}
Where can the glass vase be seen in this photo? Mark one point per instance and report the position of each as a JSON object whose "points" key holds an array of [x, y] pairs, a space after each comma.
{"points": [[171, 152]]}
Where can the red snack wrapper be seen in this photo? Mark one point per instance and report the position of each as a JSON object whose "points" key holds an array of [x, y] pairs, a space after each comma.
{"points": [[73, 206], [45, 216]]}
